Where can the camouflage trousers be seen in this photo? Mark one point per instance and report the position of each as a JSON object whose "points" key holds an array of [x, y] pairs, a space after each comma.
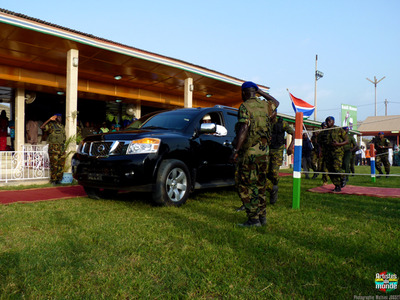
{"points": [[334, 163], [323, 168], [251, 180], [315, 161], [275, 162], [57, 162], [382, 159], [346, 161]]}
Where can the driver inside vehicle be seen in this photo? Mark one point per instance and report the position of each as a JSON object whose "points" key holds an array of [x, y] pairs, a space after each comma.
{"points": [[219, 130]]}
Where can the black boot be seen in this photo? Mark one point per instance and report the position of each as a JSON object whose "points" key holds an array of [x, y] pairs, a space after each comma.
{"points": [[337, 189], [263, 220], [242, 208], [251, 223], [273, 196]]}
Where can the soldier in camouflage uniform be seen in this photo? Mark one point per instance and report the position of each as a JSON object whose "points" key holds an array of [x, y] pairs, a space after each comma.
{"points": [[335, 140], [279, 127], [321, 140], [382, 146], [251, 152], [349, 150], [56, 139]]}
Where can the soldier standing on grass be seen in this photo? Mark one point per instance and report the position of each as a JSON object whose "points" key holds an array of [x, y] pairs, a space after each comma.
{"points": [[348, 155], [323, 154], [382, 146], [56, 139], [335, 140], [279, 127], [253, 136]]}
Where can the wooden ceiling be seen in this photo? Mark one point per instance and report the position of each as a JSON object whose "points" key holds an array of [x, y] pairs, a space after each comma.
{"points": [[33, 55]]}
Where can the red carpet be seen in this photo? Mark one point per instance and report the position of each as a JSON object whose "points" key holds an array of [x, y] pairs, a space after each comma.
{"points": [[281, 174], [41, 194], [360, 190]]}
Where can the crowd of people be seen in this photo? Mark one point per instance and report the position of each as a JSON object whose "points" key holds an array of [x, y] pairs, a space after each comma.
{"points": [[258, 151], [34, 134]]}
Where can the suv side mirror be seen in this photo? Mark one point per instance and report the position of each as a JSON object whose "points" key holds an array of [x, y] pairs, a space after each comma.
{"points": [[208, 128]]}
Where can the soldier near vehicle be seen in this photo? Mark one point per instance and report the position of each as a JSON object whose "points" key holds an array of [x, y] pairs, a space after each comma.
{"points": [[253, 134], [335, 140], [382, 146], [56, 139], [279, 127]]}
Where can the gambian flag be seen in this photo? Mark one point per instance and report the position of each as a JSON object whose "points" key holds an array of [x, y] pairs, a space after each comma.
{"points": [[301, 106]]}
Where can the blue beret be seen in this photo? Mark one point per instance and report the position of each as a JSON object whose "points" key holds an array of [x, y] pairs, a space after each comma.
{"points": [[330, 118], [381, 133], [58, 115], [323, 124], [249, 84], [345, 128]]}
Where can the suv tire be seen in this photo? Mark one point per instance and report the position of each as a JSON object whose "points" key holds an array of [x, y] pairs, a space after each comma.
{"points": [[173, 183]]}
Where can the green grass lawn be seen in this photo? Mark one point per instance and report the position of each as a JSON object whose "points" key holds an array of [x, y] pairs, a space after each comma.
{"points": [[126, 248]]}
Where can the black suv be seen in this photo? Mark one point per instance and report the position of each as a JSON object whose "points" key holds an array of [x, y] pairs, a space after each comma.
{"points": [[168, 153]]}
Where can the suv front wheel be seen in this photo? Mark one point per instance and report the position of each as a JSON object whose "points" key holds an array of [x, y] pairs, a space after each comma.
{"points": [[173, 183]]}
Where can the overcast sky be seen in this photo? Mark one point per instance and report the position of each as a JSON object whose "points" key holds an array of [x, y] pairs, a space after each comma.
{"points": [[273, 43]]}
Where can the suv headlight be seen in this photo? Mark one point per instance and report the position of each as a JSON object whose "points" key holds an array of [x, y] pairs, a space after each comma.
{"points": [[146, 145]]}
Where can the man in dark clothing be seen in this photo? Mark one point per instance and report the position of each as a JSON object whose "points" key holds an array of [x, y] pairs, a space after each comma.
{"points": [[276, 153], [349, 151], [321, 139], [307, 148]]}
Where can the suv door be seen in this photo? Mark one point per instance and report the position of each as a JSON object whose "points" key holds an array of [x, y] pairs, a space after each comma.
{"points": [[214, 152]]}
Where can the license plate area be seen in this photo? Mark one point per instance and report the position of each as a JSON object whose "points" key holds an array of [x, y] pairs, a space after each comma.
{"points": [[96, 177]]}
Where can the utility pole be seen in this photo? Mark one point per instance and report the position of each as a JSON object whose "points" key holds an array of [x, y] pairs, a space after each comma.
{"points": [[386, 103], [375, 82], [318, 75]]}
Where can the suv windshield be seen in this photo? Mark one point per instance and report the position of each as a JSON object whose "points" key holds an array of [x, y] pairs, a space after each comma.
{"points": [[138, 123], [171, 120]]}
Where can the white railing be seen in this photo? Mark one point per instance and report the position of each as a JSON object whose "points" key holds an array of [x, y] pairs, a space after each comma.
{"points": [[31, 163]]}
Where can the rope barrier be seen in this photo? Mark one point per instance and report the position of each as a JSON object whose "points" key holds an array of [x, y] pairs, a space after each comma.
{"points": [[358, 174]]}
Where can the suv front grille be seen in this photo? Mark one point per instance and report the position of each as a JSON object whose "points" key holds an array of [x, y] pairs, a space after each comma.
{"points": [[102, 148]]}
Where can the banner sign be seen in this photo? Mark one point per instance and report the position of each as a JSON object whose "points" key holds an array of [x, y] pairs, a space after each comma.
{"points": [[349, 116]]}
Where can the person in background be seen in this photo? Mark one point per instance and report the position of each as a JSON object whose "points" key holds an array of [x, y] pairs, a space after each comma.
{"points": [[104, 128], [32, 132], [363, 160], [321, 139], [87, 130], [315, 154], [279, 127], [336, 139], [349, 149], [306, 152], [40, 131], [382, 146], [56, 139], [368, 156], [219, 130], [358, 161], [3, 130], [11, 125]]}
